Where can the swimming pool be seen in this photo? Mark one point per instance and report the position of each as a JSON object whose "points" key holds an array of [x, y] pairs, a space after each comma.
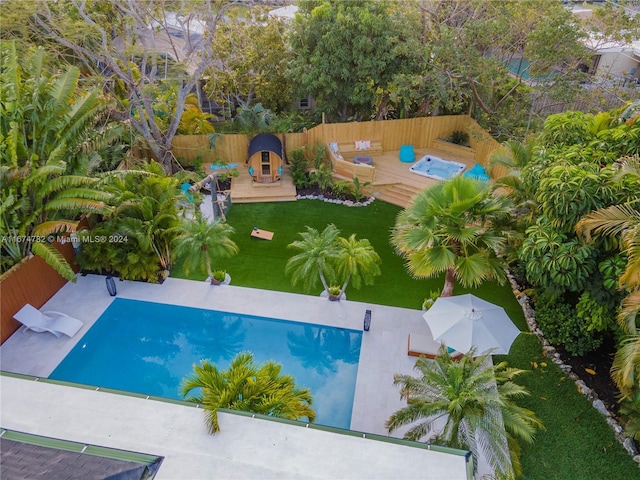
{"points": [[148, 348], [436, 167]]}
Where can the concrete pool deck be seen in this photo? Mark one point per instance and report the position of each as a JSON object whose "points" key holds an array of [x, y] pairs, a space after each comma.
{"points": [[383, 353]]}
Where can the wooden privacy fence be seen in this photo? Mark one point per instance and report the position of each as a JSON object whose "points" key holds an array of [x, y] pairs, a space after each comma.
{"points": [[419, 132], [31, 281], [232, 148]]}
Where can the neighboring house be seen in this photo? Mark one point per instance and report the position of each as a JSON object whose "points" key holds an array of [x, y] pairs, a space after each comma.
{"points": [[615, 60], [286, 13]]}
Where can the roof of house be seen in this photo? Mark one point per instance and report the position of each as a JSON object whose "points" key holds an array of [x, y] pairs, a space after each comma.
{"points": [[246, 447], [23, 459], [287, 12], [265, 141]]}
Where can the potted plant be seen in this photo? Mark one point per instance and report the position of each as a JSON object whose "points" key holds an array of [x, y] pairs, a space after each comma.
{"points": [[430, 300], [334, 292], [218, 277], [459, 138], [199, 242]]}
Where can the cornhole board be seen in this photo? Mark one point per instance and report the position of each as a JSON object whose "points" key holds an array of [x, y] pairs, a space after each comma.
{"points": [[263, 234]]}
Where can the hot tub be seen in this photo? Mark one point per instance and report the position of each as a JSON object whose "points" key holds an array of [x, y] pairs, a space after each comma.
{"points": [[437, 168]]}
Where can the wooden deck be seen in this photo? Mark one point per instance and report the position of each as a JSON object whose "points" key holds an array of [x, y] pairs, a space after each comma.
{"points": [[394, 183], [245, 190]]}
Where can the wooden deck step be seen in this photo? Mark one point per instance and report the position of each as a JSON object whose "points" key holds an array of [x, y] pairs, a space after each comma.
{"points": [[396, 194], [245, 190]]}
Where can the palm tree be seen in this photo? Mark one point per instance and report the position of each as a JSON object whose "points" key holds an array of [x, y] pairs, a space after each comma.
{"points": [[314, 260], [450, 229], [506, 165], [467, 404], [46, 122], [248, 387], [201, 242], [356, 261], [253, 120], [146, 209]]}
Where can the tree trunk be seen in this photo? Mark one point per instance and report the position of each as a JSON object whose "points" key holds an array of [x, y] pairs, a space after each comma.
{"points": [[344, 285], [209, 271], [449, 283], [324, 282], [383, 107]]}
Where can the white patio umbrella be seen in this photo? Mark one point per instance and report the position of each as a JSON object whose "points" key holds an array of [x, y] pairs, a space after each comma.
{"points": [[466, 321]]}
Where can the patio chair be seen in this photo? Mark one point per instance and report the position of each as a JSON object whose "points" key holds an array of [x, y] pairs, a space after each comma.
{"points": [[425, 346], [49, 321]]}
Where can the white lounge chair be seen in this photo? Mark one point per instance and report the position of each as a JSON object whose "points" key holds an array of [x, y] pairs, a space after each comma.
{"points": [[49, 321]]}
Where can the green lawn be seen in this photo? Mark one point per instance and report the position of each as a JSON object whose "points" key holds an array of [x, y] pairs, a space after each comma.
{"points": [[577, 442]]}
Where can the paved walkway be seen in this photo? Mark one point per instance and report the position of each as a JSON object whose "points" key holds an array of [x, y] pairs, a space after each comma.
{"points": [[383, 353]]}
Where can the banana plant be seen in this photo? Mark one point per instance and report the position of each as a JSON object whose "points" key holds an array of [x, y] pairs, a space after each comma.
{"points": [[45, 120]]}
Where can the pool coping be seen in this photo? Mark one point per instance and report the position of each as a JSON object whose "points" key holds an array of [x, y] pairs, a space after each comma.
{"points": [[383, 349]]}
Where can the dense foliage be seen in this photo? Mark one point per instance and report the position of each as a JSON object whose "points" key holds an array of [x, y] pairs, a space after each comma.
{"points": [[579, 249], [48, 126], [139, 229]]}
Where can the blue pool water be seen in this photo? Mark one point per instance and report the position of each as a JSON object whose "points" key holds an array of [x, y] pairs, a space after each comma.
{"points": [[435, 167], [522, 68], [148, 348]]}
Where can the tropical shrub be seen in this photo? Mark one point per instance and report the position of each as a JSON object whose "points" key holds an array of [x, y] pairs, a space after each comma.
{"points": [[322, 177], [555, 262], [596, 315], [145, 211], [341, 188], [334, 290], [358, 189], [563, 326], [568, 192], [194, 121], [317, 154], [219, 275], [460, 138], [298, 166], [430, 300]]}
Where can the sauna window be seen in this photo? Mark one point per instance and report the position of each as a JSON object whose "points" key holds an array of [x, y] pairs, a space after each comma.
{"points": [[266, 163]]}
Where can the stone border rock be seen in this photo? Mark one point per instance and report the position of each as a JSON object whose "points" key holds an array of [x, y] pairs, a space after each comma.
{"points": [[550, 352], [348, 203]]}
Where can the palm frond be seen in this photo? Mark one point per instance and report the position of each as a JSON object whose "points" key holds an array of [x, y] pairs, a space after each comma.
{"points": [[53, 227], [625, 369], [54, 259]]}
